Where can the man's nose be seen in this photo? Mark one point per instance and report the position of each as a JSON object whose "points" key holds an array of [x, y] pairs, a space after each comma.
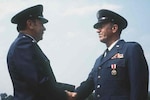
{"points": [[98, 30]]}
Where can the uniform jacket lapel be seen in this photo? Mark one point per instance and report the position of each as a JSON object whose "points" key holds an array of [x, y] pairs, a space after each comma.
{"points": [[112, 52]]}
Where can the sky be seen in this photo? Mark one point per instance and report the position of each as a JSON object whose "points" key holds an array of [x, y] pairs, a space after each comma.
{"points": [[70, 41]]}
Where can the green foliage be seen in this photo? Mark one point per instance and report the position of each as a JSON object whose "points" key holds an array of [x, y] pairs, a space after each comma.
{"points": [[4, 96]]}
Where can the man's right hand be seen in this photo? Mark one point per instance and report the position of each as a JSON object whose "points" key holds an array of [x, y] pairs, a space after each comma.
{"points": [[71, 95]]}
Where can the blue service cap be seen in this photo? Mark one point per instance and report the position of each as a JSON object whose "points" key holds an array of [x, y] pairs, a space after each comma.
{"points": [[105, 15], [34, 12]]}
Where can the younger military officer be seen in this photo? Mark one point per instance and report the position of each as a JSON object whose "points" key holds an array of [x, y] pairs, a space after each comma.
{"points": [[29, 68], [122, 73]]}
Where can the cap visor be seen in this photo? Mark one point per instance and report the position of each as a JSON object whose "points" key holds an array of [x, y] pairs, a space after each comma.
{"points": [[97, 25], [44, 20]]}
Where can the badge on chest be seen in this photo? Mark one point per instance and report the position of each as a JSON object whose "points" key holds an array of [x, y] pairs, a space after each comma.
{"points": [[113, 69]]}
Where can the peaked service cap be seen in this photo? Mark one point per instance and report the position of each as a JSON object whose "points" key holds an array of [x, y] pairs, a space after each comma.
{"points": [[105, 15], [32, 12]]}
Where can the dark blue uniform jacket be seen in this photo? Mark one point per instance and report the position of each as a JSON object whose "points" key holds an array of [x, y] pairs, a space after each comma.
{"points": [[31, 73], [121, 75]]}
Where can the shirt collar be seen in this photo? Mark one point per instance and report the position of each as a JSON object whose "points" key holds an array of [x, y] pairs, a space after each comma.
{"points": [[30, 37], [112, 45]]}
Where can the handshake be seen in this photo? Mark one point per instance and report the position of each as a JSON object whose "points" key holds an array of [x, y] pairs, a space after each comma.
{"points": [[71, 95], [69, 89]]}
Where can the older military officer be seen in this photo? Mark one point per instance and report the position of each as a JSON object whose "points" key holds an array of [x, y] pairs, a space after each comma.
{"points": [[29, 68], [121, 73]]}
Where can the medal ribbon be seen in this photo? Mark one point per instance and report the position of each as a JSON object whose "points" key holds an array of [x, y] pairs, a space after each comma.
{"points": [[113, 66]]}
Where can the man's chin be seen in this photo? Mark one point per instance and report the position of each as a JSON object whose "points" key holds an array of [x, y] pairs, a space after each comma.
{"points": [[102, 41]]}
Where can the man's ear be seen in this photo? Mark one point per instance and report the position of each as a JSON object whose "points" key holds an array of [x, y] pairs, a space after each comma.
{"points": [[30, 24], [114, 28]]}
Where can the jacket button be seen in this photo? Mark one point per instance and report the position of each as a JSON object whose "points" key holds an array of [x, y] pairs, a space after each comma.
{"points": [[23, 36], [99, 67], [98, 96], [99, 76], [98, 86]]}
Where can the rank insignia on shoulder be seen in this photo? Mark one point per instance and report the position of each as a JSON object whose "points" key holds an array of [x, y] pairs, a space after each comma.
{"points": [[118, 55]]}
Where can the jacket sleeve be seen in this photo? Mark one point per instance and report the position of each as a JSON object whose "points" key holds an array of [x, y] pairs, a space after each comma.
{"points": [[138, 72], [35, 71], [84, 90], [86, 87], [48, 86], [66, 86]]}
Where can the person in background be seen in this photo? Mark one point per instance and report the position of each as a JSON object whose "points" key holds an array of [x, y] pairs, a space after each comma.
{"points": [[29, 68], [121, 72]]}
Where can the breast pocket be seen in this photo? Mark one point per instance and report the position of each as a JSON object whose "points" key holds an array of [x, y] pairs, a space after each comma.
{"points": [[116, 69], [118, 62]]}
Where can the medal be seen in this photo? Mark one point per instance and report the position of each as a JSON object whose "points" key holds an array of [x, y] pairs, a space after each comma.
{"points": [[114, 71]]}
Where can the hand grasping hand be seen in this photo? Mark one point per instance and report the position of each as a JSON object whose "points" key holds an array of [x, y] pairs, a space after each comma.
{"points": [[71, 95]]}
